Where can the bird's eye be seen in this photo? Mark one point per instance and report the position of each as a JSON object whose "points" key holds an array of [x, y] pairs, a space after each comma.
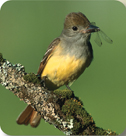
{"points": [[74, 28]]}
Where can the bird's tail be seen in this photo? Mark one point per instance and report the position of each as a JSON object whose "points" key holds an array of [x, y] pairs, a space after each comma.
{"points": [[29, 115]]}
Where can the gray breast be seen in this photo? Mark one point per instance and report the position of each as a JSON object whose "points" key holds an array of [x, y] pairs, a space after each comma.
{"points": [[79, 48]]}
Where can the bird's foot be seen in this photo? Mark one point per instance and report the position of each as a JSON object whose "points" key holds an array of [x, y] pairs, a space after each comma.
{"points": [[43, 81], [69, 88]]}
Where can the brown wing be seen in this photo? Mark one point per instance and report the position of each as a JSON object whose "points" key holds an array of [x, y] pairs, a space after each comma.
{"points": [[47, 55]]}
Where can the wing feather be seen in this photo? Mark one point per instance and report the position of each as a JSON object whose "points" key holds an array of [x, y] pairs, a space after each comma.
{"points": [[47, 55]]}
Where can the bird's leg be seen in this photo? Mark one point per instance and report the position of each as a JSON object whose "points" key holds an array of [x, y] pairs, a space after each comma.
{"points": [[68, 87], [43, 81]]}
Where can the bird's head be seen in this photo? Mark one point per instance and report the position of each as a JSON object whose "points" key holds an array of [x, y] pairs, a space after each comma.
{"points": [[77, 25]]}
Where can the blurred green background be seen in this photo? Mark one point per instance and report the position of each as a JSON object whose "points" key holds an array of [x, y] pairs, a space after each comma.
{"points": [[28, 27]]}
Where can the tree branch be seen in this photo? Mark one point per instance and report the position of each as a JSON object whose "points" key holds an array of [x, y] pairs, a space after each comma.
{"points": [[60, 107]]}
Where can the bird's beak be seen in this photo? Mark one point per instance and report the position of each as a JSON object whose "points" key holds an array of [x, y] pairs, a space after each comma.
{"points": [[90, 29]]}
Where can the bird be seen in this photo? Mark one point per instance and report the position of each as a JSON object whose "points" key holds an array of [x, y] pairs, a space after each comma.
{"points": [[65, 60]]}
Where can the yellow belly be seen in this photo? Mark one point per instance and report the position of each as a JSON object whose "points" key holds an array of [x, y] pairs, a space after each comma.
{"points": [[61, 70]]}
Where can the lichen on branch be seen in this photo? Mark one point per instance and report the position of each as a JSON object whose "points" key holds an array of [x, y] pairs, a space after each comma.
{"points": [[59, 107]]}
